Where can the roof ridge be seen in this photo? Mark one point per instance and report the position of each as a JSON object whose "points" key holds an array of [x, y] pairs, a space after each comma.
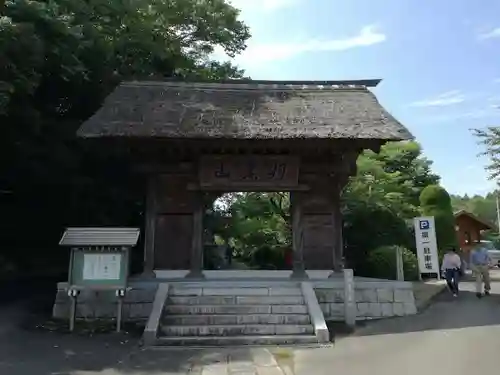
{"points": [[245, 86], [364, 82]]}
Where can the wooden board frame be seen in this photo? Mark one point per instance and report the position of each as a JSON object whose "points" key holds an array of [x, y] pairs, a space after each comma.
{"points": [[75, 277], [249, 172]]}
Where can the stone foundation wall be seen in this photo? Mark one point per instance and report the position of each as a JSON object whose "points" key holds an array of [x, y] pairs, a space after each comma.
{"points": [[90, 304], [373, 300]]}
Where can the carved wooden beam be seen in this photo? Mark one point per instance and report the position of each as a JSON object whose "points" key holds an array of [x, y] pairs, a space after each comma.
{"points": [[227, 189]]}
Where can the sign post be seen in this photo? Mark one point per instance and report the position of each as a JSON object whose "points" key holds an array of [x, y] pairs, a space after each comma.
{"points": [[99, 262], [425, 240], [73, 295], [99, 268], [120, 294]]}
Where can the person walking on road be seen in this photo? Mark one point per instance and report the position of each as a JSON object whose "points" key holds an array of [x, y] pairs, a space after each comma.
{"points": [[480, 263], [451, 267]]}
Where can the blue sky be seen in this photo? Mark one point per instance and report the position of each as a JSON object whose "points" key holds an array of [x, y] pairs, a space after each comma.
{"points": [[439, 61]]}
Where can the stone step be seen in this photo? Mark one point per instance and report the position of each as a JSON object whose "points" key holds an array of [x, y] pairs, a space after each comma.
{"points": [[224, 341], [232, 300], [236, 291], [237, 330], [236, 319], [235, 309]]}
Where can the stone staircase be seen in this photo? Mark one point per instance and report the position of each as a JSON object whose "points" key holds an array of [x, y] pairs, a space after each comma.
{"points": [[226, 314]]}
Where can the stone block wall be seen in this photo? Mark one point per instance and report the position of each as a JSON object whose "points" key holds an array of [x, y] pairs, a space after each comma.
{"points": [[91, 304], [373, 300]]}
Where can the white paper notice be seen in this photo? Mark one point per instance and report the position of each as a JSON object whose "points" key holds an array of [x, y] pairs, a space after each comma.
{"points": [[101, 266]]}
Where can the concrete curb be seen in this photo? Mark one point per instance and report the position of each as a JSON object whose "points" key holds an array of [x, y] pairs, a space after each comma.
{"points": [[151, 330], [317, 317]]}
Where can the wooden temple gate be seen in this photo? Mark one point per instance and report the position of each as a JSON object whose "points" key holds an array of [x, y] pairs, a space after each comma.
{"points": [[194, 142]]}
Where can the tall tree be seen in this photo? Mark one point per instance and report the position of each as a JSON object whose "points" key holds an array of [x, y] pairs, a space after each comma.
{"points": [[490, 139], [393, 178], [58, 60]]}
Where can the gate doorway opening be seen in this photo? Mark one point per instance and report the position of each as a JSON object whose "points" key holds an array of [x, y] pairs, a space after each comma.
{"points": [[248, 230]]}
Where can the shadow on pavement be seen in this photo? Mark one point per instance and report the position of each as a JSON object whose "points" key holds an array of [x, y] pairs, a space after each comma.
{"points": [[445, 313], [24, 352], [28, 351]]}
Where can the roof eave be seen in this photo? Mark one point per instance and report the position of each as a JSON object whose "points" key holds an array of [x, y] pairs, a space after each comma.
{"points": [[486, 225]]}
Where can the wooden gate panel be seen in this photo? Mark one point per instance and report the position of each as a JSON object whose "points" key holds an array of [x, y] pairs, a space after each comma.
{"points": [[173, 241]]}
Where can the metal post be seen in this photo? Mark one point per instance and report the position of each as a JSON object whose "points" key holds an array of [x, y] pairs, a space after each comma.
{"points": [[120, 294], [119, 314], [72, 312]]}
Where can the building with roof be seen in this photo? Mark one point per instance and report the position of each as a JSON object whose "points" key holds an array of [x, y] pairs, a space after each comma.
{"points": [[193, 141], [469, 228], [308, 133]]}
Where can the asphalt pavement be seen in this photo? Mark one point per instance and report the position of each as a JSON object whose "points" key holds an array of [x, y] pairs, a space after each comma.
{"points": [[452, 337]]}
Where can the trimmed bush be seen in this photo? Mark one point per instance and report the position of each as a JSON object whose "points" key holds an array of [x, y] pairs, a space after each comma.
{"points": [[435, 201], [368, 226], [382, 263]]}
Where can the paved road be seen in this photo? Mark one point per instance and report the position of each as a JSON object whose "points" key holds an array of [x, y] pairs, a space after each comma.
{"points": [[452, 337]]}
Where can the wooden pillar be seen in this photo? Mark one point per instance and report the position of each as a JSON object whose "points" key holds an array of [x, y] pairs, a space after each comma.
{"points": [[196, 260], [338, 247], [297, 236], [150, 226]]}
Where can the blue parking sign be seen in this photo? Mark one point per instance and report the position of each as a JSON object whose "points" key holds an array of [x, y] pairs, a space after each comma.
{"points": [[424, 224]]}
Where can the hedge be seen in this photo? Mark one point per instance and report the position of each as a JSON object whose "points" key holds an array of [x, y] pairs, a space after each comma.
{"points": [[382, 263]]}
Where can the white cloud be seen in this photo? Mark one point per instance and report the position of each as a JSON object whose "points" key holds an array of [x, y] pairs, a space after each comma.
{"points": [[473, 114], [495, 101], [494, 33], [264, 52], [263, 5], [477, 181], [478, 113], [444, 99]]}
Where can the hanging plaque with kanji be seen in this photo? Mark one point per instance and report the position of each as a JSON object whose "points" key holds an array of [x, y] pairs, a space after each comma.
{"points": [[247, 172]]}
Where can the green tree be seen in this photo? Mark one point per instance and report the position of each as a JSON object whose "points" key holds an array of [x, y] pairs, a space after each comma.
{"points": [[58, 60], [367, 226], [393, 178], [489, 138], [435, 201], [258, 227], [381, 199], [414, 170]]}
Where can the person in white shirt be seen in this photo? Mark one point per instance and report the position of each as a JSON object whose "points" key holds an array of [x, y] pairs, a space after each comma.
{"points": [[451, 267]]}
